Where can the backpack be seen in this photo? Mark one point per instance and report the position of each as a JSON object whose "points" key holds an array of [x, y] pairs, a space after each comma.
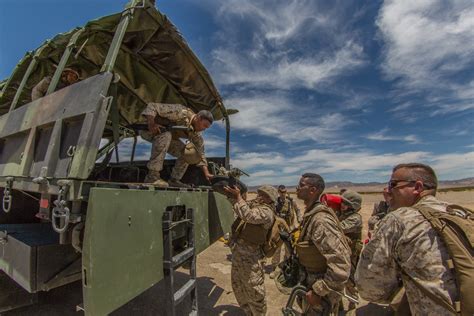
{"points": [[274, 240], [456, 228]]}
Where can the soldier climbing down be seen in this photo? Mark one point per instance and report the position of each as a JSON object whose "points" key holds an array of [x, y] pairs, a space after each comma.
{"points": [[160, 118]]}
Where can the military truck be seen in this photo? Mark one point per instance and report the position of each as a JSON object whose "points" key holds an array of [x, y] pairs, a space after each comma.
{"points": [[72, 207]]}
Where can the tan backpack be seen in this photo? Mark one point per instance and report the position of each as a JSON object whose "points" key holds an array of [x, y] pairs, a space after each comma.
{"points": [[273, 237], [456, 228]]}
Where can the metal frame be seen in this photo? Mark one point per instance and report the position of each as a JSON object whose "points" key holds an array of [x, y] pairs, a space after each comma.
{"points": [[27, 74], [62, 63]]}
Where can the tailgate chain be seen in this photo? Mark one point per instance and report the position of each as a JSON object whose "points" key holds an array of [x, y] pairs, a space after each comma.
{"points": [[7, 197], [61, 211]]}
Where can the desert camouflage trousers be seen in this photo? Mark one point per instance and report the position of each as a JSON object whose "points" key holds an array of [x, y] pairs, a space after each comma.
{"points": [[350, 285], [331, 301], [161, 144], [280, 255], [247, 278]]}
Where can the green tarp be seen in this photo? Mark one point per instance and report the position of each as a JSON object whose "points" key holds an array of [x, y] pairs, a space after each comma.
{"points": [[155, 64]]}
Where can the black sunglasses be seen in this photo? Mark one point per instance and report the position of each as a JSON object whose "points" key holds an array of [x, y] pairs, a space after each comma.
{"points": [[392, 184]]}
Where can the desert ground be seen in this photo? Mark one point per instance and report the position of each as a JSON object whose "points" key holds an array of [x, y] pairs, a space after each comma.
{"points": [[214, 288]]}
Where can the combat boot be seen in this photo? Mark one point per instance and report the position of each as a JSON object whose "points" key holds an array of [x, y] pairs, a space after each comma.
{"points": [[160, 183], [177, 183], [154, 178]]}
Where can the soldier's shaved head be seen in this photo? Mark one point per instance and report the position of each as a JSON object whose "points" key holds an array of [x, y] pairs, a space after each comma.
{"points": [[421, 172], [315, 180]]}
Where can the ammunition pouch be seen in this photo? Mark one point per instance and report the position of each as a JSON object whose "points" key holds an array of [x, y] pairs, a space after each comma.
{"points": [[251, 233], [310, 257]]}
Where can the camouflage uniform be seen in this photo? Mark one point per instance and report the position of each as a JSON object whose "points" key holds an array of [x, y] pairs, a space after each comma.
{"points": [[247, 266], [288, 210], [41, 88], [379, 212], [324, 231], [351, 223], [405, 248], [168, 142]]}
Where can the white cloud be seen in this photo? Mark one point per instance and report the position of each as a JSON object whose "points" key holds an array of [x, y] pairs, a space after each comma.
{"points": [[281, 118], [428, 45], [283, 72], [454, 165], [382, 136], [361, 166], [266, 44]]}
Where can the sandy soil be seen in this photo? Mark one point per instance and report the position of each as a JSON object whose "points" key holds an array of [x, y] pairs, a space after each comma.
{"points": [[214, 287]]}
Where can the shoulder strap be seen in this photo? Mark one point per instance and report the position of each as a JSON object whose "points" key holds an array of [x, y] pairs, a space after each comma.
{"points": [[326, 210], [438, 300], [456, 215]]}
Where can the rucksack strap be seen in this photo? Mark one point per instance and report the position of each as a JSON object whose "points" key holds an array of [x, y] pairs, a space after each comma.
{"points": [[435, 298]]}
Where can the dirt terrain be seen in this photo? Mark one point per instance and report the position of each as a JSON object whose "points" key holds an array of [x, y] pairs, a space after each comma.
{"points": [[214, 287]]}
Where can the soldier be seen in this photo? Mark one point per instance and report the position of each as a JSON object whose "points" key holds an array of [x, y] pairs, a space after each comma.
{"points": [[287, 209], [351, 223], [380, 210], [322, 249], [68, 77], [405, 249], [160, 118], [249, 233]]}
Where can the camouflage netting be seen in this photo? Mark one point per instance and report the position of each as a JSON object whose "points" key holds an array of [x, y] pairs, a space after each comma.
{"points": [[155, 64]]}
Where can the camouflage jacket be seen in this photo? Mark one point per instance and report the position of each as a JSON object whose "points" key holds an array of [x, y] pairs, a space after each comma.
{"points": [[253, 212], [176, 115], [405, 248], [41, 88], [351, 223], [288, 210], [325, 232]]}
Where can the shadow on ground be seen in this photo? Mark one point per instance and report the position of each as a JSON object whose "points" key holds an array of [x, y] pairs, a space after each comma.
{"points": [[63, 301]]}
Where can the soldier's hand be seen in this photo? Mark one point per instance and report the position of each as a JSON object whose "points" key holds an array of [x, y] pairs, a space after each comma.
{"points": [[233, 192], [208, 176], [313, 299], [155, 129]]}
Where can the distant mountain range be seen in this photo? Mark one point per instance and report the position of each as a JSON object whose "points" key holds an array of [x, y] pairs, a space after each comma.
{"points": [[376, 186]]}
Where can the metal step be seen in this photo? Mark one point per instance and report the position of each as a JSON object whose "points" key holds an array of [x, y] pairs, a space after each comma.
{"points": [[171, 262], [179, 259], [181, 294]]}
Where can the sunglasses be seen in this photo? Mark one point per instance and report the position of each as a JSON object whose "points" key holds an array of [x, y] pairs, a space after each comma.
{"points": [[392, 184]]}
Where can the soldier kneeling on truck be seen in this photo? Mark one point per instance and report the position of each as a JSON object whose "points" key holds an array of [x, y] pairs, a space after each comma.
{"points": [[167, 123]]}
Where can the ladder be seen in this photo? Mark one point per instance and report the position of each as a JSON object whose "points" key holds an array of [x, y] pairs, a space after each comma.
{"points": [[174, 224]]}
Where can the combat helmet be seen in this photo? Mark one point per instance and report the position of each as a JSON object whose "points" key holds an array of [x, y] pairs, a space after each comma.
{"points": [[270, 191], [352, 199]]}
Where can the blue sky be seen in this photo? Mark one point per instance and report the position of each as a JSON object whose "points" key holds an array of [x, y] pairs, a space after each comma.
{"points": [[346, 89]]}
